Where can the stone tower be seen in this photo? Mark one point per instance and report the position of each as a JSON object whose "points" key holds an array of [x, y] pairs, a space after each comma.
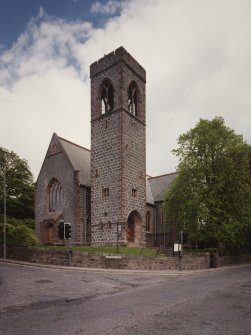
{"points": [[118, 157]]}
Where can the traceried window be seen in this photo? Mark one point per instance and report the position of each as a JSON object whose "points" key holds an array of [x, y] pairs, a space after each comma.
{"points": [[55, 196], [107, 97], [148, 221], [132, 99]]}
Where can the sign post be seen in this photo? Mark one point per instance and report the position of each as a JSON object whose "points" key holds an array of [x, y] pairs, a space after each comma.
{"points": [[177, 250]]}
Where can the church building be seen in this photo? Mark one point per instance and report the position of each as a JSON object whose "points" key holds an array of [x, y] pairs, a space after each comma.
{"points": [[104, 192]]}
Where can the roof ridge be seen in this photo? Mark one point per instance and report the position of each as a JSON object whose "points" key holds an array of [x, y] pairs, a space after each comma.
{"points": [[77, 145], [163, 175]]}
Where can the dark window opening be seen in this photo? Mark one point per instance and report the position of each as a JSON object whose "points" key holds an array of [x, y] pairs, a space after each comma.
{"points": [[105, 193], [134, 193], [132, 99], [107, 97], [148, 221]]}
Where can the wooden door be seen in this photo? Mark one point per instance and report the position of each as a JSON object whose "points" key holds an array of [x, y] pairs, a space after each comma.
{"points": [[50, 235]]}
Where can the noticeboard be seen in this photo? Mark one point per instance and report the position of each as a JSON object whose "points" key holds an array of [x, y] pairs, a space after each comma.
{"points": [[177, 247]]}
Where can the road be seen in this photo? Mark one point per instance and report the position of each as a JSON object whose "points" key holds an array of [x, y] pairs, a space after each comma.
{"points": [[39, 300]]}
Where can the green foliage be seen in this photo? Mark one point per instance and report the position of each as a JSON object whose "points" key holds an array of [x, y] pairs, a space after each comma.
{"points": [[30, 223], [19, 185], [19, 235], [211, 197]]}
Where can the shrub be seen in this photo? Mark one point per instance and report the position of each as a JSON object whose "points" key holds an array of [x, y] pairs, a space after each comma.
{"points": [[30, 223], [19, 235], [9, 230]]}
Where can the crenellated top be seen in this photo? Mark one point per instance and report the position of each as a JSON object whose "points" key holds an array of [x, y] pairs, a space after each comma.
{"points": [[114, 57]]}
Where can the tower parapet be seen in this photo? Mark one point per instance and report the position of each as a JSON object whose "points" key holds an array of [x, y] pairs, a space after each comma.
{"points": [[114, 57]]}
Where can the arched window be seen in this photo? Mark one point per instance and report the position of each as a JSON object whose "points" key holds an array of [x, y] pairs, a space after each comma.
{"points": [[107, 97], [148, 228], [132, 99], [55, 196]]}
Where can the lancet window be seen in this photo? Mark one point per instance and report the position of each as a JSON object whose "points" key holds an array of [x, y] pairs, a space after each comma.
{"points": [[132, 99], [107, 97]]}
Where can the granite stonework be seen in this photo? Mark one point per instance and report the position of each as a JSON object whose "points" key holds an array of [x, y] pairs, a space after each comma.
{"points": [[118, 157]]}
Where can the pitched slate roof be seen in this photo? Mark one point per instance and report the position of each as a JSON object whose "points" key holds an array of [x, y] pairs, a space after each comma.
{"points": [[80, 159], [149, 195], [159, 185]]}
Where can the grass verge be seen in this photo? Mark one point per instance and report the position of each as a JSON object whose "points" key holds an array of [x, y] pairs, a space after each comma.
{"points": [[131, 251]]}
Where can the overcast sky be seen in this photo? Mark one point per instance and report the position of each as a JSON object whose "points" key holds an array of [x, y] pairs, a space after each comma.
{"points": [[196, 54]]}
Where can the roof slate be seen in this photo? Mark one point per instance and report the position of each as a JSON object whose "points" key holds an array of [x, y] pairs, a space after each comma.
{"points": [[80, 158], [160, 184], [149, 196]]}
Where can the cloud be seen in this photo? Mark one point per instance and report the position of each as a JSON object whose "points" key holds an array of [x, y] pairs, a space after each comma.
{"points": [[44, 88], [110, 8], [197, 57], [47, 43]]}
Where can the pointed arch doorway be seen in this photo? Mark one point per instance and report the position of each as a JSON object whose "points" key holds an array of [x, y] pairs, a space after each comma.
{"points": [[134, 228], [48, 232]]}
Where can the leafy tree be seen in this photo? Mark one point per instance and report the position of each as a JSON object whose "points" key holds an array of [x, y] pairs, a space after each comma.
{"points": [[211, 196], [19, 185]]}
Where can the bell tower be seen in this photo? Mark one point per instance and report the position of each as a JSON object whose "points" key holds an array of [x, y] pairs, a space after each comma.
{"points": [[118, 150]]}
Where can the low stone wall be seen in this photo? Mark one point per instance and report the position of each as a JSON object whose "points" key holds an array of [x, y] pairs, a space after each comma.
{"points": [[80, 259], [56, 257], [230, 260]]}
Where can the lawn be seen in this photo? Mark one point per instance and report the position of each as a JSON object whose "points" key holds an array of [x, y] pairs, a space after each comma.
{"points": [[132, 251]]}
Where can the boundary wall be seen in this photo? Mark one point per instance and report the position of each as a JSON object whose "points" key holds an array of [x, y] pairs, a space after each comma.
{"points": [[113, 261]]}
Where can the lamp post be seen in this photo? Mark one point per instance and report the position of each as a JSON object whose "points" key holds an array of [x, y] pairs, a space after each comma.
{"points": [[4, 213]]}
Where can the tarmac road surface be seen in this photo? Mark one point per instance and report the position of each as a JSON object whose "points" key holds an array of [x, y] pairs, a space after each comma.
{"points": [[48, 300]]}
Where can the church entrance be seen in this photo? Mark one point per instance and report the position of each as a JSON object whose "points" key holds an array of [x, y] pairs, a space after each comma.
{"points": [[134, 228], [48, 233]]}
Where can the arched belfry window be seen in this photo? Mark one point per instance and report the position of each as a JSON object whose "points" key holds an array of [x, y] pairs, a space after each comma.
{"points": [[107, 97], [55, 196], [132, 99]]}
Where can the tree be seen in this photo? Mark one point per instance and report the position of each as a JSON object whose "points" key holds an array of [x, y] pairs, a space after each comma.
{"points": [[19, 185], [211, 196]]}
